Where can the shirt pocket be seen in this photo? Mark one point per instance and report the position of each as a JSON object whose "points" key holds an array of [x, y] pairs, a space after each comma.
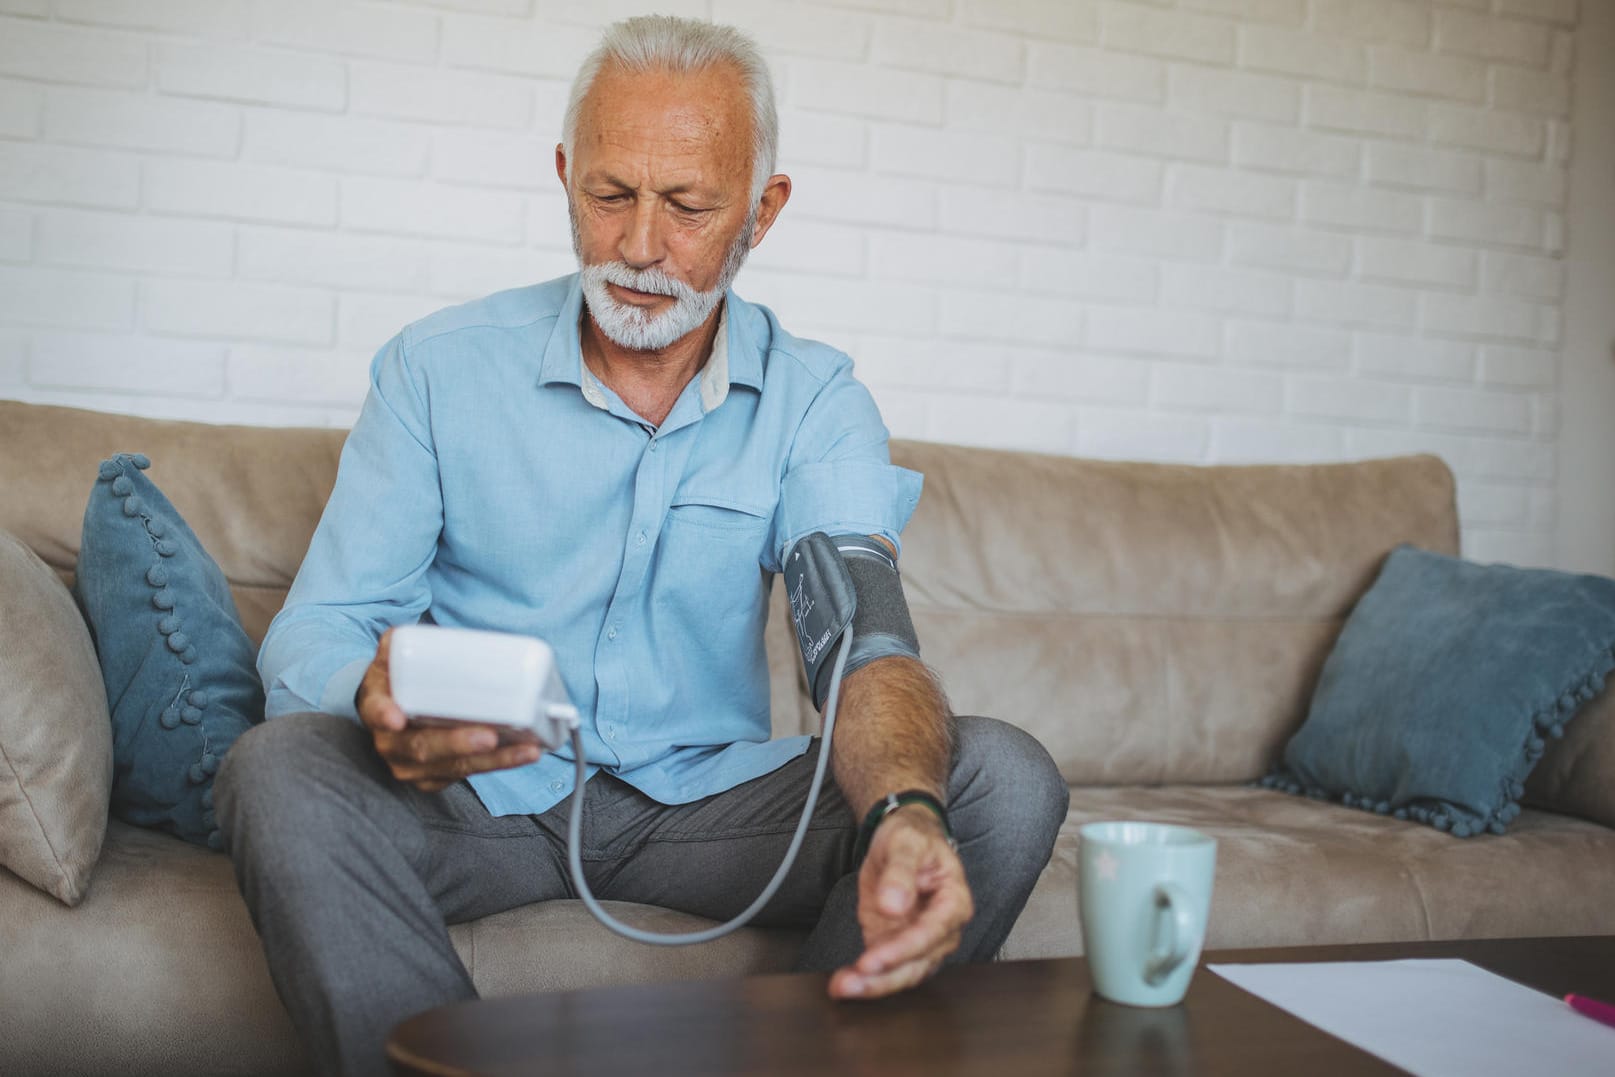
{"points": [[709, 571]]}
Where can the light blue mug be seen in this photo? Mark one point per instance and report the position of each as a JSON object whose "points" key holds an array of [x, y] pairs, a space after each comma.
{"points": [[1145, 890]]}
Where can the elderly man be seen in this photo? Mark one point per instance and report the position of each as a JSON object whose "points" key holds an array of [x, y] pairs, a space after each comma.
{"points": [[615, 462]]}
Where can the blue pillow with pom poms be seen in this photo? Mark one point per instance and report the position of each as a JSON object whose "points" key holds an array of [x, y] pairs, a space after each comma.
{"points": [[179, 671], [1448, 676]]}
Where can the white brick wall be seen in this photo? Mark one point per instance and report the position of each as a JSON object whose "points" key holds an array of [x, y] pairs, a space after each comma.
{"points": [[1188, 230]]}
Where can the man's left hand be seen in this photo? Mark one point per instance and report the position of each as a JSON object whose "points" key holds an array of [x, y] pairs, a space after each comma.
{"points": [[913, 904]]}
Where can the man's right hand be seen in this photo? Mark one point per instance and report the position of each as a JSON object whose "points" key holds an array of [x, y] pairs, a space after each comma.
{"points": [[430, 758]]}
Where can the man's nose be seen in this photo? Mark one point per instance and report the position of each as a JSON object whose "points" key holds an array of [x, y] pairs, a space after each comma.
{"points": [[642, 242]]}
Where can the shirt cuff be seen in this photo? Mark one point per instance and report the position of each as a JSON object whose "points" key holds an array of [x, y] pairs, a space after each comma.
{"points": [[846, 498], [337, 698]]}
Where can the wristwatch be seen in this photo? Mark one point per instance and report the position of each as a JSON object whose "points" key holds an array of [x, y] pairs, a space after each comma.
{"points": [[890, 803]]}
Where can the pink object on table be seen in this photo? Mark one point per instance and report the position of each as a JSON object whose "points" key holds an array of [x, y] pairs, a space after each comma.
{"points": [[1590, 1007]]}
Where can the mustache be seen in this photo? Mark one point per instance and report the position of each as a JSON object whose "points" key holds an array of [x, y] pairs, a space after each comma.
{"points": [[650, 280]]}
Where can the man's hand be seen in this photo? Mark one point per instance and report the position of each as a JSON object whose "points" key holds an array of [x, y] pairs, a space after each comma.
{"points": [[431, 758], [913, 904]]}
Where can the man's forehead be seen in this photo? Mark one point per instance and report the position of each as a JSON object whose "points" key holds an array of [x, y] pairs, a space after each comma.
{"points": [[703, 105]]}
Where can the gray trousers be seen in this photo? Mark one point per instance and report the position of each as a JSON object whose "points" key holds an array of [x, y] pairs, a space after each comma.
{"points": [[352, 877]]}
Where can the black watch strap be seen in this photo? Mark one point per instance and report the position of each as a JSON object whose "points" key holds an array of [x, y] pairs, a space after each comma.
{"points": [[890, 803]]}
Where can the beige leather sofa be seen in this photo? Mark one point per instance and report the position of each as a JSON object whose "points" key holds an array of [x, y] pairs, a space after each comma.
{"points": [[1159, 628]]}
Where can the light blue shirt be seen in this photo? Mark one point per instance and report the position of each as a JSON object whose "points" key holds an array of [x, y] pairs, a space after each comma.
{"points": [[492, 481]]}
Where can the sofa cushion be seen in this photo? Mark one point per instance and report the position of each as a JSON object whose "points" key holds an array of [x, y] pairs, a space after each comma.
{"points": [[179, 670], [55, 738], [1438, 697]]}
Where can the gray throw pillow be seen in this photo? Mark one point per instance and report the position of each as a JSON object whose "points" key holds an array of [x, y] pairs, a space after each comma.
{"points": [[55, 735]]}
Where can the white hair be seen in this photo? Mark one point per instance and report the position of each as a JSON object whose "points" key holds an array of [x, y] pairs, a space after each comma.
{"points": [[684, 46]]}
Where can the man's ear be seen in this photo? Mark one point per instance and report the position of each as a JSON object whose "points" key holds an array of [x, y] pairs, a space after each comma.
{"points": [[560, 163], [775, 194]]}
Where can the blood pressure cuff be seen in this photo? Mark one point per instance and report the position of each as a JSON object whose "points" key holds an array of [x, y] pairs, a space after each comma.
{"points": [[831, 582]]}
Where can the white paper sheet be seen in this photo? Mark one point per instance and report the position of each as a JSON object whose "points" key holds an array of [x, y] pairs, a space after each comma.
{"points": [[1435, 1017]]}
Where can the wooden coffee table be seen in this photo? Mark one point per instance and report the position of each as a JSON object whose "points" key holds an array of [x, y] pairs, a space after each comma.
{"points": [[1009, 1019]]}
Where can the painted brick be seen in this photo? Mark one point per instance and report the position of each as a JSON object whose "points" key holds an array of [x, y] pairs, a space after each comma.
{"points": [[1068, 20], [1012, 215], [1038, 114], [1530, 91], [1234, 93], [1415, 359], [235, 310], [843, 306], [514, 47], [813, 248], [13, 364], [1089, 379], [1471, 410], [949, 50], [330, 259], [1558, 142], [817, 138], [49, 53], [1553, 241], [1137, 331], [20, 106], [1485, 222], [1224, 290], [1492, 38], [1519, 548], [368, 321], [936, 9], [458, 272], [1523, 275], [380, 205], [1228, 191], [961, 156], [1093, 174], [1546, 408], [1360, 208], [547, 221], [298, 376], [193, 18], [335, 143], [1334, 108], [1284, 149], [1487, 129], [1088, 275], [151, 244], [242, 192], [1151, 131], [1397, 22], [1562, 12], [1518, 368], [1012, 316], [1420, 72], [943, 259], [1351, 399], [141, 122], [1155, 234], [860, 90], [1489, 504], [16, 235], [1414, 262], [1296, 249], [1354, 304], [1485, 316], [1288, 12], [1095, 72], [453, 98], [842, 197], [937, 364], [1295, 52], [787, 28], [493, 159], [1285, 344], [1468, 456], [65, 297], [1173, 35], [1395, 164], [125, 364], [1563, 52], [386, 31], [1027, 425], [35, 8], [30, 172], [1544, 509], [1133, 434], [252, 75], [1197, 387], [1259, 441]]}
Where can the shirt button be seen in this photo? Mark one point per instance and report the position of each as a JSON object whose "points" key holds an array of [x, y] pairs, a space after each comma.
{"points": [[611, 633], [555, 786], [611, 732], [640, 538], [653, 444]]}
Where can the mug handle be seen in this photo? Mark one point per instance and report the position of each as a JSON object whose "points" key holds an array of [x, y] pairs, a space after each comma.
{"points": [[1183, 932]]}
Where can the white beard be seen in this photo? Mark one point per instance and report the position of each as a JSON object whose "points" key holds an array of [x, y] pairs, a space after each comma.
{"points": [[637, 329]]}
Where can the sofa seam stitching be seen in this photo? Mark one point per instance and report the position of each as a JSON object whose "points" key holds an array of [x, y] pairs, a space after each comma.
{"points": [[44, 834]]}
